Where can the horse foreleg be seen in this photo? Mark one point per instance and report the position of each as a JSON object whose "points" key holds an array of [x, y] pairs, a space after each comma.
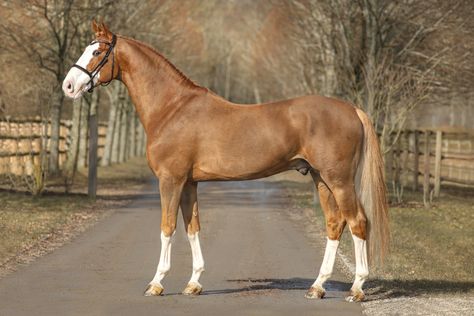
{"points": [[335, 224], [170, 194], [189, 208]]}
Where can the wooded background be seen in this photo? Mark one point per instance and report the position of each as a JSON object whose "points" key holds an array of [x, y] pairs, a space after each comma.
{"points": [[409, 64]]}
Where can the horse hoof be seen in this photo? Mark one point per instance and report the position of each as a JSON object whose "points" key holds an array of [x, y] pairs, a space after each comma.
{"points": [[315, 292], [193, 289], [153, 290], [356, 296]]}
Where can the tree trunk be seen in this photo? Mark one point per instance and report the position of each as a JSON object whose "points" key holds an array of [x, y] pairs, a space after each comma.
{"points": [[133, 131], [138, 128], [109, 137], [144, 141], [82, 156], [71, 162], [116, 138], [227, 77], [56, 106], [123, 132], [93, 142]]}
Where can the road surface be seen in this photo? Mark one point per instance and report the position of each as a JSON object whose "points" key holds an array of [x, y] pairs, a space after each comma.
{"points": [[258, 262]]}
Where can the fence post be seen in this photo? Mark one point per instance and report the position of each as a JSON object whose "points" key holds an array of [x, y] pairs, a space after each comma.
{"points": [[406, 153], [426, 171], [437, 180], [416, 157]]}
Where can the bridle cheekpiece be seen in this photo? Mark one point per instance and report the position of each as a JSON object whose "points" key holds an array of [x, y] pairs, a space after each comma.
{"points": [[92, 74]]}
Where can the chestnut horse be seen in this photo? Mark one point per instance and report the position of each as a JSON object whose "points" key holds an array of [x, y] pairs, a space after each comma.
{"points": [[194, 135]]}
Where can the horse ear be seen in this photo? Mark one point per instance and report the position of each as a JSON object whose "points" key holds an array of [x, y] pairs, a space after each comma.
{"points": [[95, 27], [102, 31], [105, 29]]}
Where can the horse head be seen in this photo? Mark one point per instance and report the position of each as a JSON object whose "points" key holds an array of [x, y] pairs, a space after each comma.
{"points": [[96, 66]]}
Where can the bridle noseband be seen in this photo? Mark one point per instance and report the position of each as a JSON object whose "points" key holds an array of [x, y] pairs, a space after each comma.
{"points": [[92, 74]]}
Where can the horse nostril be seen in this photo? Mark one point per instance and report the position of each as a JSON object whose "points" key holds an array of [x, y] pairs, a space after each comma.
{"points": [[69, 86]]}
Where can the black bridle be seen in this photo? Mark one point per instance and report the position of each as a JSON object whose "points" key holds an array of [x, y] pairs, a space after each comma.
{"points": [[92, 74]]}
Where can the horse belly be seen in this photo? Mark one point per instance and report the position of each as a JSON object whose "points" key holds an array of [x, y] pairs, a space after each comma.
{"points": [[244, 160]]}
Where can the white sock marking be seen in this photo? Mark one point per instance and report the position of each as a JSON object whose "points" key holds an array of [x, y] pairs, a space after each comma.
{"points": [[165, 259], [328, 263], [198, 261], [362, 268]]}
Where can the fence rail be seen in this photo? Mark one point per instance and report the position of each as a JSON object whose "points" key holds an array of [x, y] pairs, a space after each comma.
{"points": [[428, 156], [22, 140], [433, 157]]}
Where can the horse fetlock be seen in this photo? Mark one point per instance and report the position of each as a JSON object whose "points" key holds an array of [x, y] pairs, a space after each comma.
{"points": [[193, 288], [356, 295], [315, 291], [199, 269], [163, 269], [362, 276], [154, 289]]}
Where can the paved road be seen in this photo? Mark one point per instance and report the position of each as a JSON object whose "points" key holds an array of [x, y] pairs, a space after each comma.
{"points": [[258, 262]]}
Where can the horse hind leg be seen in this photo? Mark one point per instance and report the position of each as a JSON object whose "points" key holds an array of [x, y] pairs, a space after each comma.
{"points": [[335, 224], [353, 213], [359, 230], [189, 208]]}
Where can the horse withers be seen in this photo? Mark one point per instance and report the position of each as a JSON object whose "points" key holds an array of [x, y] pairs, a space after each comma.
{"points": [[194, 135]]}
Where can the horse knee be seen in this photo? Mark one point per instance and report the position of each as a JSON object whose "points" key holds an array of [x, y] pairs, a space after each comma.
{"points": [[168, 229], [335, 227]]}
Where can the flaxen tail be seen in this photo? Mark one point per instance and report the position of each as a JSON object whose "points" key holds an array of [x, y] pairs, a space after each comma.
{"points": [[371, 191]]}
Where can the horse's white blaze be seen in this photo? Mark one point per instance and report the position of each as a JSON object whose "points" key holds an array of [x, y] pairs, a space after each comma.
{"points": [[77, 78], [165, 259], [362, 268], [328, 262], [198, 261]]}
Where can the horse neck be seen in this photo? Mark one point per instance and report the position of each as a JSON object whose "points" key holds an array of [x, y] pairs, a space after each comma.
{"points": [[154, 84]]}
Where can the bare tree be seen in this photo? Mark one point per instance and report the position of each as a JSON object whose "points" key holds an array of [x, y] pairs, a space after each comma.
{"points": [[365, 52]]}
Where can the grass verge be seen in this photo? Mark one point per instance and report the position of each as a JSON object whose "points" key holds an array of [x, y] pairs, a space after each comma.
{"points": [[31, 226]]}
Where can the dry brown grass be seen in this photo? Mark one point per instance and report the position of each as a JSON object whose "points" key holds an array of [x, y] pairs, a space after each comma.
{"points": [[27, 222], [31, 226]]}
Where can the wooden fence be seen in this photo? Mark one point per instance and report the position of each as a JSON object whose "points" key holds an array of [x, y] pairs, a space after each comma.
{"points": [[450, 158], [21, 141], [433, 157]]}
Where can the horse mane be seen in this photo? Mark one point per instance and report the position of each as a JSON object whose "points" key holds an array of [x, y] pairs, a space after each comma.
{"points": [[170, 67]]}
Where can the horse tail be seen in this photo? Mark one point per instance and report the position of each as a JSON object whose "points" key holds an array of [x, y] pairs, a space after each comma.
{"points": [[371, 190]]}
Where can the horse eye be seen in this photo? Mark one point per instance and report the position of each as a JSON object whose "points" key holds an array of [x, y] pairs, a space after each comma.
{"points": [[96, 53]]}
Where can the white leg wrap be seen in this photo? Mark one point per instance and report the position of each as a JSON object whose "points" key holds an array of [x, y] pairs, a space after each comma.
{"points": [[165, 259], [198, 261], [328, 263], [362, 268]]}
